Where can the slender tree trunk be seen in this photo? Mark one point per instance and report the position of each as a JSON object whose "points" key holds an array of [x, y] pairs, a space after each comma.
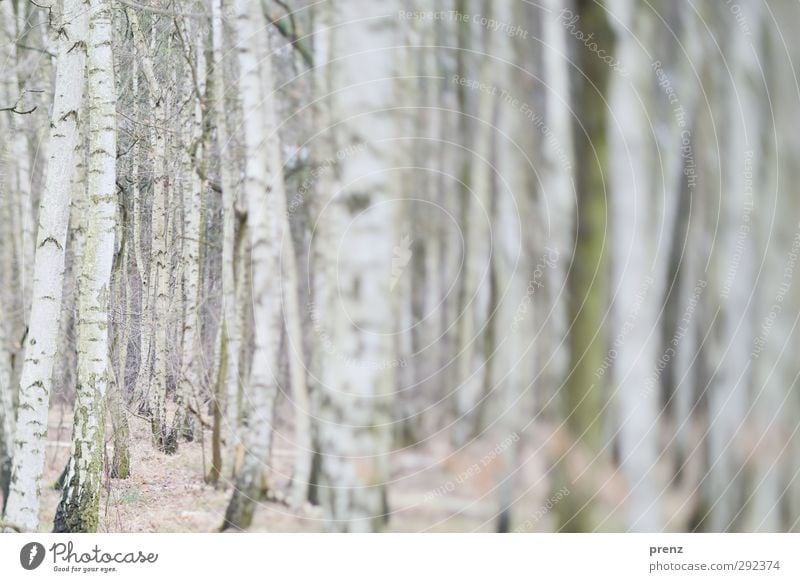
{"points": [[301, 473], [37, 370], [158, 304], [191, 258], [78, 509], [736, 268], [228, 386], [22, 190], [7, 389], [355, 308], [583, 389], [120, 330], [265, 197], [476, 291]]}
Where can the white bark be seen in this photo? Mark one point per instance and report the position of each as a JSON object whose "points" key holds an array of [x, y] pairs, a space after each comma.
{"points": [[643, 213], [231, 322], [48, 273], [265, 198], [731, 344], [356, 307], [21, 194], [301, 473], [191, 362], [78, 510], [7, 387], [158, 294], [475, 294], [557, 208]]}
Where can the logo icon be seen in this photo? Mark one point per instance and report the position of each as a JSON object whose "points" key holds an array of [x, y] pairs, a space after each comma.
{"points": [[31, 555]]}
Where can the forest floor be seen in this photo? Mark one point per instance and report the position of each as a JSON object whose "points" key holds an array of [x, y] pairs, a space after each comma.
{"points": [[432, 489]]}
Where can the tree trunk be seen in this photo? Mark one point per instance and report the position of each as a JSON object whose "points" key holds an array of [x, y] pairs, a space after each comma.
{"points": [[265, 202], [48, 273], [353, 308], [79, 506], [158, 292]]}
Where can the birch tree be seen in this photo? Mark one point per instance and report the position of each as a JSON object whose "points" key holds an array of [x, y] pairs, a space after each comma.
{"points": [[194, 158], [264, 193], [48, 271], [355, 380], [734, 264], [587, 282], [227, 391], [79, 506], [157, 305]]}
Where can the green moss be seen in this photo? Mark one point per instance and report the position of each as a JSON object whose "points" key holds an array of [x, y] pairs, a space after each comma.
{"points": [[587, 282], [79, 508], [239, 514], [583, 395]]}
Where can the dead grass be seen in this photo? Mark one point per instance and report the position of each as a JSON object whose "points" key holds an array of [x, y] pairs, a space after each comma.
{"points": [[434, 488]]}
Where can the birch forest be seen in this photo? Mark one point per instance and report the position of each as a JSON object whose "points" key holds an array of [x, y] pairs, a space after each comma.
{"points": [[362, 266]]}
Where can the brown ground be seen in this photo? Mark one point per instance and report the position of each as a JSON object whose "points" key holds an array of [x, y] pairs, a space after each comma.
{"points": [[168, 493]]}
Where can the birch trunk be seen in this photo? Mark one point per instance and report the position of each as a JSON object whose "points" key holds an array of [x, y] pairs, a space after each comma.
{"points": [[474, 305], [637, 285], [557, 206], [265, 196], [301, 473], [9, 298], [582, 392], [158, 293], [644, 211], [191, 258], [735, 269], [227, 392], [7, 408], [78, 509], [356, 307], [22, 188], [120, 331], [48, 273]]}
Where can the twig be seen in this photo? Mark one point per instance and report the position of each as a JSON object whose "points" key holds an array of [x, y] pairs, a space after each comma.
{"points": [[290, 34], [204, 423], [154, 10], [37, 49], [13, 109], [4, 525]]}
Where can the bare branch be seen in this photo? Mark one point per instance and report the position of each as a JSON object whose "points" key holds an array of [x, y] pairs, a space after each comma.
{"points": [[5, 525], [14, 109]]}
